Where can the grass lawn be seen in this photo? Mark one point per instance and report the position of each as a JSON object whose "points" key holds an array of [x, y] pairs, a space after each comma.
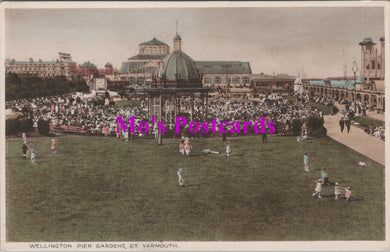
{"points": [[127, 103], [101, 188], [366, 121], [327, 110]]}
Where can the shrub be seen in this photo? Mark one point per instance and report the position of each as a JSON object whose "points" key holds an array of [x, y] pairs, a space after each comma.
{"points": [[296, 127], [335, 110], [43, 127], [26, 125], [315, 127], [15, 126], [12, 126]]}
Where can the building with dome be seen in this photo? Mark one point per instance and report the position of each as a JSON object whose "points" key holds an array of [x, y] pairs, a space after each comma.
{"points": [[178, 69], [141, 68]]}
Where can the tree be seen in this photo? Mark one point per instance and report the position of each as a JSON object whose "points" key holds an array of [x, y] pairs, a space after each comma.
{"points": [[43, 127], [296, 127], [315, 127]]}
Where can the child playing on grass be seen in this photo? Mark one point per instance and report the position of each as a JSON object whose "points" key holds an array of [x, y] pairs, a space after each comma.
{"points": [[324, 176], [181, 146], [306, 162], [228, 149], [318, 189], [348, 193], [187, 146], [337, 191], [180, 174], [126, 136], [24, 138], [33, 157], [24, 150], [53, 146]]}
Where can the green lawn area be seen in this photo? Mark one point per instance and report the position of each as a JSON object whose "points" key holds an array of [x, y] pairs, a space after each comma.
{"points": [[128, 103], [103, 189], [327, 110], [366, 121]]}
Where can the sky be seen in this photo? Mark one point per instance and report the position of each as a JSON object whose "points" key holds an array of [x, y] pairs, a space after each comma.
{"points": [[321, 40]]}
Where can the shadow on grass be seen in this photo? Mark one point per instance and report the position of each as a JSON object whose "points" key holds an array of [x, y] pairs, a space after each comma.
{"points": [[237, 155], [327, 195], [197, 154], [356, 199], [192, 185]]}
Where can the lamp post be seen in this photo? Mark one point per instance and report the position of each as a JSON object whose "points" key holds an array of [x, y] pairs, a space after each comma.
{"points": [[354, 70]]}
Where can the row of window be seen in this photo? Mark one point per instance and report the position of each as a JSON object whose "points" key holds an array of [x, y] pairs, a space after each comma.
{"points": [[228, 80], [373, 65], [147, 70], [154, 50], [20, 68], [135, 65]]}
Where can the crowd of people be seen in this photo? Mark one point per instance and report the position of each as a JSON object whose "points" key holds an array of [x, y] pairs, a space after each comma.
{"points": [[274, 107], [98, 116], [377, 131]]}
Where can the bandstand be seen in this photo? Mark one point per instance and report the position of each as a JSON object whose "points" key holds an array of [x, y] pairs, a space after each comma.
{"points": [[178, 78]]}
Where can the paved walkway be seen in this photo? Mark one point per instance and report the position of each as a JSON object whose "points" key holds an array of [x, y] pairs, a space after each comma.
{"points": [[370, 114], [375, 115], [370, 146]]}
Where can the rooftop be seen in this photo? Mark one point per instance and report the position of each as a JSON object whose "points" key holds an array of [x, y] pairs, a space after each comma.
{"points": [[88, 64], [366, 41], [270, 77], [29, 62], [148, 57], [153, 42], [223, 67]]}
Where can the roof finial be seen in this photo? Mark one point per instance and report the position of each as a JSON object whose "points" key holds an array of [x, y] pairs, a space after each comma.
{"points": [[177, 24]]}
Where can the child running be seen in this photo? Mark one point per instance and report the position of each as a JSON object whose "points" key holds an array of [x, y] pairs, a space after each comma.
{"points": [[318, 189]]}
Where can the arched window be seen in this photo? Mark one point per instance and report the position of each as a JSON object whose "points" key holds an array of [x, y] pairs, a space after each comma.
{"points": [[368, 67], [379, 66], [228, 80], [373, 64], [218, 80]]}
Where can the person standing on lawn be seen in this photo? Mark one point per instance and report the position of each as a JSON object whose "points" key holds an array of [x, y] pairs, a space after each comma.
{"points": [[306, 162], [24, 150]]}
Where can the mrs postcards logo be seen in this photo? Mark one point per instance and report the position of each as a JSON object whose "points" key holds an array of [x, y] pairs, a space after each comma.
{"points": [[215, 126]]}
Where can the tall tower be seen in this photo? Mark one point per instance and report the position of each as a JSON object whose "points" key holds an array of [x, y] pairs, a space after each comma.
{"points": [[382, 57], [177, 43], [368, 55]]}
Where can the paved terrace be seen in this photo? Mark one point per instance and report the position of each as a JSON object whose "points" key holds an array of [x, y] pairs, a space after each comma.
{"points": [[358, 140]]}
